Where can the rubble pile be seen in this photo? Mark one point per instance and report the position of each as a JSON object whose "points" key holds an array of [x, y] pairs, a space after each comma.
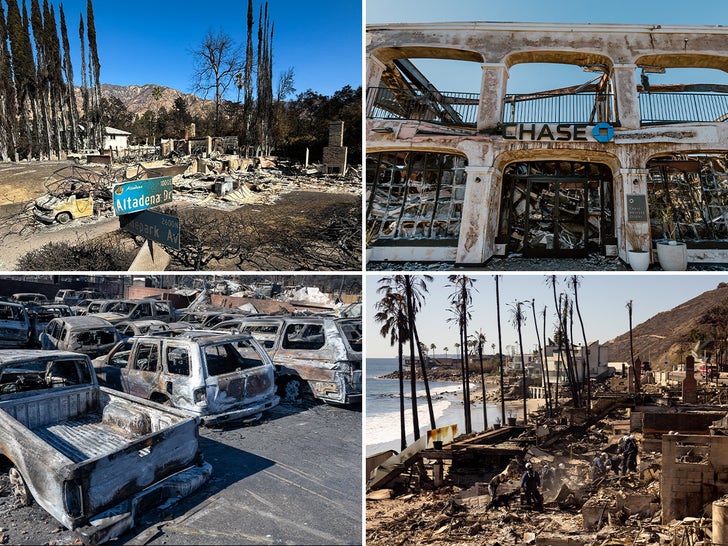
{"points": [[580, 508]]}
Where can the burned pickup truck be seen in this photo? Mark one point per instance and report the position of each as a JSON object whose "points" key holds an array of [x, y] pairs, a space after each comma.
{"points": [[95, 459]]}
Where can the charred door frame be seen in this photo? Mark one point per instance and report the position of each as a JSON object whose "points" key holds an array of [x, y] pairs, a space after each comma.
{"points": [[556, 251], [514, 221]]}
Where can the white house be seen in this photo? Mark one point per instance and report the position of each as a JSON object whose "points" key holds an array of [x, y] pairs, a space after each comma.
{"points": [[115, 139]]}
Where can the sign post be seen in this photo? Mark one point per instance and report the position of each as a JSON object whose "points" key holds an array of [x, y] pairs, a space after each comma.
{"points": [[141, 194], [155, 226]]}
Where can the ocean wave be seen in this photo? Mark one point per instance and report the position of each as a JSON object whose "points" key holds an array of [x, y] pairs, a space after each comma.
{"points": [[384, 427]]}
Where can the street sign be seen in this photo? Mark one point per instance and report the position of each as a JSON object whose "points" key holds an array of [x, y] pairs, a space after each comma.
{"points": [[141, 194], [158, 227]]}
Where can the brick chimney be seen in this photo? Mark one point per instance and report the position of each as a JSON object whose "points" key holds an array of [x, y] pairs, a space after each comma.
{"points": [[689, 385]]}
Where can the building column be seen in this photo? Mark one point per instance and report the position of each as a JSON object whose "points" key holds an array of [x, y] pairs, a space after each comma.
{"points": [[493, 85], [631, 187], [375, 69], [479, 224], [625, 89]]}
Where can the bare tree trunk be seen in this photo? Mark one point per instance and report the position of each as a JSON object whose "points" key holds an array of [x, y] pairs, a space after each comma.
{"points": [[424, 378], [500, 351]]}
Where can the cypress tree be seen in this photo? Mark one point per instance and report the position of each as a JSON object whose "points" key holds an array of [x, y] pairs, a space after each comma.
{"points": [[8, 104], [248, 79], [36, 20], [70, 88], [95, 67], [55, 77], [84, 83]]}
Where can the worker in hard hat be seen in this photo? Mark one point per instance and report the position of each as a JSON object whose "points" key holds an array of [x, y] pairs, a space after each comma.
{"points": [[530, 483]]}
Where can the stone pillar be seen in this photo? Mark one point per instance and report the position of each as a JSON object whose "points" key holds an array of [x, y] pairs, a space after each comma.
{"points": [[625, 89], [492, 92], [630, 183], [479, 223], [689, 384], [375, 69]]}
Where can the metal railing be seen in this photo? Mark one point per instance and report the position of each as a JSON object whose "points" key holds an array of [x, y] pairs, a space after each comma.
{"points": [[568, 108], [660, 108], [445, 108]]}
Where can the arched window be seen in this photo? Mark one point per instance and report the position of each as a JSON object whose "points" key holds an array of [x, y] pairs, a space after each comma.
{"points": [[414, 196]]}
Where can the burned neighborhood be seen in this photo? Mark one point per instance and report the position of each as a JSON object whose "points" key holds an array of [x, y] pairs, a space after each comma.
{"points": [[573, 441], [121, 433]]}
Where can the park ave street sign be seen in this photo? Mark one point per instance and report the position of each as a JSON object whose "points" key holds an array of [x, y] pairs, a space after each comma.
{"points": [[141, 194], [155, 226]]}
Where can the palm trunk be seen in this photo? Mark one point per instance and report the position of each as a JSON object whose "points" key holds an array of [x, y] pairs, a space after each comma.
{"points": [[500, 351], [469, 421], [403, 430], [482, 383], [587, 368], [413, 388], [523, 374], [540, 353], [424, 379], [549, 395]]}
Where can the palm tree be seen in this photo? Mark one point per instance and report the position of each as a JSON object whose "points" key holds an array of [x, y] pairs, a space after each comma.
{"points": [[411, 289], [549, 397], [390, 312], [635, 371], [480, 341], [500, 349], [415, 288], [517, 320], [461, 301], [552, 281], [575, 280], [432, 348], [541, 359], [446, 349]]}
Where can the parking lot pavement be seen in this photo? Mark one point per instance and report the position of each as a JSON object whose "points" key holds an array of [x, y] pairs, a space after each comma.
{"points": [[294, 478]]}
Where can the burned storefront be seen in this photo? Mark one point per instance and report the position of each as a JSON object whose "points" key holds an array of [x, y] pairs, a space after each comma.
{"points": [[617, 163]]}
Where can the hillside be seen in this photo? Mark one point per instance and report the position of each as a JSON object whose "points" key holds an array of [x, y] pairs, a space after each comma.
{"points": [[140, 98], [662, 337]]}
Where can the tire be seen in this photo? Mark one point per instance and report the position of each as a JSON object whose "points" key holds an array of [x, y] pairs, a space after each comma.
{"points": [[292, 390], [18, 487], [63, 217]]}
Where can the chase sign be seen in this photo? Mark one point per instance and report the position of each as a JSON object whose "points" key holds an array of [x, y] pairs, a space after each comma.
{"points": [[573, 132], [141, 194]]}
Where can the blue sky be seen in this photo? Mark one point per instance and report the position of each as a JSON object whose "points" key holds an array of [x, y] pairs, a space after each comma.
{"points": [[142, 42], [530, 78], [602, 299]]}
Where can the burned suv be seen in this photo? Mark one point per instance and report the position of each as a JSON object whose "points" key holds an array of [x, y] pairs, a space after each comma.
{"points": [[216, 376], [320, 354]]}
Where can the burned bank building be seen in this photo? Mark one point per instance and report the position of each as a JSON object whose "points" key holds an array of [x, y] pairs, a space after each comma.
{"points": [[611, 164]]}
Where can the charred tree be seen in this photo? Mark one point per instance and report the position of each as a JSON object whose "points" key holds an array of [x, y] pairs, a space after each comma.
{"points": [[8, 105], [68, 90]]}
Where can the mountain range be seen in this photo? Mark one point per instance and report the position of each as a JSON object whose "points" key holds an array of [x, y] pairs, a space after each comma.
{"points": [[140, 98], [663, 338]]}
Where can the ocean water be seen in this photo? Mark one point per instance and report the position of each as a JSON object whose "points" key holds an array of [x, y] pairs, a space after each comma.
{"points": [[382, 427]]}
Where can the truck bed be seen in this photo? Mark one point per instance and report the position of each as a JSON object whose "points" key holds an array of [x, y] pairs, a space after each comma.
{"points": [[83, 437]]}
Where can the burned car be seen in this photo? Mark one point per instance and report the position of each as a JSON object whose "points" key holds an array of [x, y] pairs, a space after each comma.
{"points": [[90, 335], [218, 377], [93, 458], [143, 309], [67, 202], [14, 325], [42, 314], [131, 328], [317, 354]]}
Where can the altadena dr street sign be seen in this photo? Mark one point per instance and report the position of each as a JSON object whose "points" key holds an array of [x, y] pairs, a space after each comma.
{"points": [[156, 226], [141, 194]]}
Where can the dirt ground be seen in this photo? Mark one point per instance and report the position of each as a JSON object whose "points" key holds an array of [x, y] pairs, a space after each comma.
{"points": [[298, 202]]}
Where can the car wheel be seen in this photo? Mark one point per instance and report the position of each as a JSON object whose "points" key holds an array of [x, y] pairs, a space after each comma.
{"points": [[63, 217], [19, 489], [292, 390]]}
